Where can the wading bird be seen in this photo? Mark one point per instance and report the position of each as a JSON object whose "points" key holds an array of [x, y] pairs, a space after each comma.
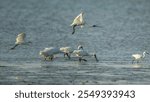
{"points": [[138, 57], [69, 50], [82, 53], [48, 53], [20, 39]]}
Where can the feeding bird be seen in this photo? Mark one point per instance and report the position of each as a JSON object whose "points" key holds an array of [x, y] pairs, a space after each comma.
{"points": [[78, 21], [138, 57], [82, 53], [48, 53], [68, 50], [20, 39]]}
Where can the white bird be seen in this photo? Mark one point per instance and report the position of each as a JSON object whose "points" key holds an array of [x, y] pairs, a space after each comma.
{"points": [[138, 57], [48, 53], [82, 53], [20, 39], [69, 50], [78, 21]]}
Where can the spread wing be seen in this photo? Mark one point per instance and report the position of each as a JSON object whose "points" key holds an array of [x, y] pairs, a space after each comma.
{"points": [[78, 20], [20, 38]]}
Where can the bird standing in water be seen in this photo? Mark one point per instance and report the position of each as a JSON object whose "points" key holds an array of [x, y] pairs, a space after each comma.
{"points": [[138, 57], [48, 53], [82, 53], [69, 50]]}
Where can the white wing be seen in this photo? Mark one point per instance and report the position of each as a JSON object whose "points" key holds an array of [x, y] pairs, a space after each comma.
{"points": [[66, 49], [137, 56], [20, 38], [78, 20], [80, 53], [51, 51]]}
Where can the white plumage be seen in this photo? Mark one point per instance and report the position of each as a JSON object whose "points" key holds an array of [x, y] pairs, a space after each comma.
{"points": [[48, 53], [78, 21], [82, 53], [69, 50], [138, 57], [20, 39]]}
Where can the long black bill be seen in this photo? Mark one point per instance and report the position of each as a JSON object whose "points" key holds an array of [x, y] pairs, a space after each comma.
{"points": [[96, 57], [14, 46], [73, 29]]}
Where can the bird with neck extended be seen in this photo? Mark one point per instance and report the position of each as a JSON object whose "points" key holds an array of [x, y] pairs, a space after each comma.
{"points": [[20, 39], [78, 21], [138, 57], [69, 50], [81, 54]]}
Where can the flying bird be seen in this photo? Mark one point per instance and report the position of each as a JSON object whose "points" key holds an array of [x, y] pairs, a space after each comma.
{"points": [[138, 57], [19, 40], [78, 21]]}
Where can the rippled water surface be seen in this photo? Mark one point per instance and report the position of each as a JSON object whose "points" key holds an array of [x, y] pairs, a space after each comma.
{"points": [[124, 29]]}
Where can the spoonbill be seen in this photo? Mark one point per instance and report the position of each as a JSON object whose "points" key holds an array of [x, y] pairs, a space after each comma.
{"points": [[138, 57], [20, 39], [82, 53], [78, 21], [68, 50], [48, 53]]}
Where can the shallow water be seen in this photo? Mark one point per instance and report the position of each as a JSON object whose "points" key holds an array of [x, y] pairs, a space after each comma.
{"points": [[124, 30]]}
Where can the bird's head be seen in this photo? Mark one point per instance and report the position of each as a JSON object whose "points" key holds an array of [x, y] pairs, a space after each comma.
{"points": [[145, 52]]}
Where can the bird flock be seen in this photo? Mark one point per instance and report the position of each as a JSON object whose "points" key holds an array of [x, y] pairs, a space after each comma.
{"points": [[50, 52]]}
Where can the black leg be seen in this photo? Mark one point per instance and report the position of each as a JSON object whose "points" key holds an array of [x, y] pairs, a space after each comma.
{"points": [[80, 59], [96, 57], [52, 57], [64, 54], [132, 61], [68, 55]]}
